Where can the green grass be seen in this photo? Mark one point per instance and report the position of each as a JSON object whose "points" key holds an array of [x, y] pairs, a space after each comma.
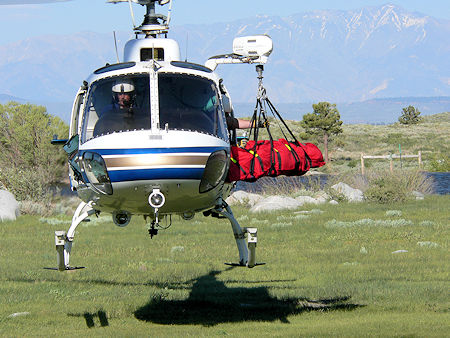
{"points": [[328, 274]]}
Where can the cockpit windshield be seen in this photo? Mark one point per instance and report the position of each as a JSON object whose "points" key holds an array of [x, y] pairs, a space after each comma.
{"points": [[122, 103], [116, 104], [191, 103]]}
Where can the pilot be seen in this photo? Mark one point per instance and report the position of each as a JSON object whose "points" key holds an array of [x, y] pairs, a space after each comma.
{"points": [[123, 93], [122, 114]]}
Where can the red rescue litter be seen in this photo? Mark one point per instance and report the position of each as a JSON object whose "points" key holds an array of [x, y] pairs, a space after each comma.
{"points": [[275, 158]]}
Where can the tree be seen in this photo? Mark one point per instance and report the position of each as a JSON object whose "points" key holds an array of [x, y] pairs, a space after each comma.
{"points": [[29, 164], [325, 121], [410, 115]]}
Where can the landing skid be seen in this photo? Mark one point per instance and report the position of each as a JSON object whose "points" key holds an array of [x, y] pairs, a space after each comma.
{"points": [[247, 249], [69, 268], [247, 252], [243, 266]]}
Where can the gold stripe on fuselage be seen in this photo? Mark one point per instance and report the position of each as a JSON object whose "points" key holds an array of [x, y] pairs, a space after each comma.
{"points": [[118, 162]]}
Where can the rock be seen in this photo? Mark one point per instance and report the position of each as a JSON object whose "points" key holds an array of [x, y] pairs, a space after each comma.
{"points": [[333, 202], [242, 197], [18, 314], [9, 208], [418, 195], [307, 200], [351, 194], [309, 212], [428, 244], [272, 203], [399, 251], [322, 197]]}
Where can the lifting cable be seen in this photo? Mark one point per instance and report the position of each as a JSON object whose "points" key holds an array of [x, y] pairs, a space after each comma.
{"points": [[260, 119]]}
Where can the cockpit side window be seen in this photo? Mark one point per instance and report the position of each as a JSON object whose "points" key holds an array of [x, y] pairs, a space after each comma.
{"points": [[190, 103], [116, 104]]}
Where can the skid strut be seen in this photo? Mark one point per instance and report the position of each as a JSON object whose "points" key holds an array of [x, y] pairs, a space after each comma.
{"points": [[247, 251], [63, 240]]}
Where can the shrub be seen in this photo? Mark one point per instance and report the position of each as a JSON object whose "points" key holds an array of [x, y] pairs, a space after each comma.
{"points": [[290, 185], [386, 187], [64, 206], [439, 163], [393, 213], [26, 183], [29, 164], [385, 190], [352, 163]]}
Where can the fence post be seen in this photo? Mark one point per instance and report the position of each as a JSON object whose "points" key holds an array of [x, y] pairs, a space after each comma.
{"points": [[362, 164], [391, 164], [420, 159]]}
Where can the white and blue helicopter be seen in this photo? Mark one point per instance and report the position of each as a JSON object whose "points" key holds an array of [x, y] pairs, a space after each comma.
{"points": [[148, 136]]}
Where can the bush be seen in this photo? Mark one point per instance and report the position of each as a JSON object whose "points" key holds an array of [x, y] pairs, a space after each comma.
{"points": [[290, 185], [386, 187], [26, 183], [63, 206], [385, 190], [29, 164], [352, 163], [439, 163]]}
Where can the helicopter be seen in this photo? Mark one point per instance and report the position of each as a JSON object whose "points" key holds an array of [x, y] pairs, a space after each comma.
{"points": [[148, 136]]}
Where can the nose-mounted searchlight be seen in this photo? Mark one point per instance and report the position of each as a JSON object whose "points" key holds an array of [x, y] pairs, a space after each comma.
{"points": [[156, 201]]}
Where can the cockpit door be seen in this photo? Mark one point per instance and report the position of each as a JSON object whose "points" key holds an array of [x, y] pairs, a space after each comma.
{"points": [[75, 126], [71, 146]]}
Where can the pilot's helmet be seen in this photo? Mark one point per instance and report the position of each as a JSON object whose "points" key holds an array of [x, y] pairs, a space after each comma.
{"points": [[123, 86]]}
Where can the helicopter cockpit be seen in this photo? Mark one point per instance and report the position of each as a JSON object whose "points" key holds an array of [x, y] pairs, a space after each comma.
{"points": [[123, 103]]}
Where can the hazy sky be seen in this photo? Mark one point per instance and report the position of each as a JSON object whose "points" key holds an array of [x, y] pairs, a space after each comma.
{"points": [[39, 17]]}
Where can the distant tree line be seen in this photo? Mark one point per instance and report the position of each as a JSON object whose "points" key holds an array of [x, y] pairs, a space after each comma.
{"points": [[325, 123]]}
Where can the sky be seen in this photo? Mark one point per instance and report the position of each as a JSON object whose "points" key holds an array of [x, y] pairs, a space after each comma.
{"points": [[21, 19]]}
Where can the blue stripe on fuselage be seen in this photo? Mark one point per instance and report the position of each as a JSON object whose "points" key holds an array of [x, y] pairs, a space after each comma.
{"points": [[139, 151], [156, 174]]}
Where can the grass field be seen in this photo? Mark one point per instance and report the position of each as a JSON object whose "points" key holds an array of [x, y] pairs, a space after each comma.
{"points": [[346, 270]]}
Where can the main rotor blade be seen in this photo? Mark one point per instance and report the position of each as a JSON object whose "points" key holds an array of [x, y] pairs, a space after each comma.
{"points": [[29, 2]]}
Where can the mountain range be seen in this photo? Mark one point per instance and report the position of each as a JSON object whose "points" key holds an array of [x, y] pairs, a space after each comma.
{"points": [[353, 58]]}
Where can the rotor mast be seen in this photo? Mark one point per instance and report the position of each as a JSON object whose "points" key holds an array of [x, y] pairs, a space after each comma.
{"points": [[154, 24]]}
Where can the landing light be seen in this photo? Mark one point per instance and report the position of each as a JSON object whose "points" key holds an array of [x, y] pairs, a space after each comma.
{"points": [[94, 167], [215, 171]]}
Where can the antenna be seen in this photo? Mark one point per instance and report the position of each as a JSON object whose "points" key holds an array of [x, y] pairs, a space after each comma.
{"points": [[132, 14], [115, 44], [187, 42]]}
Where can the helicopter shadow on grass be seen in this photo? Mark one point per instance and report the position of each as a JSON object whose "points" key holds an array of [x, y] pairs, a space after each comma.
{"points": [[211, 302]]}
